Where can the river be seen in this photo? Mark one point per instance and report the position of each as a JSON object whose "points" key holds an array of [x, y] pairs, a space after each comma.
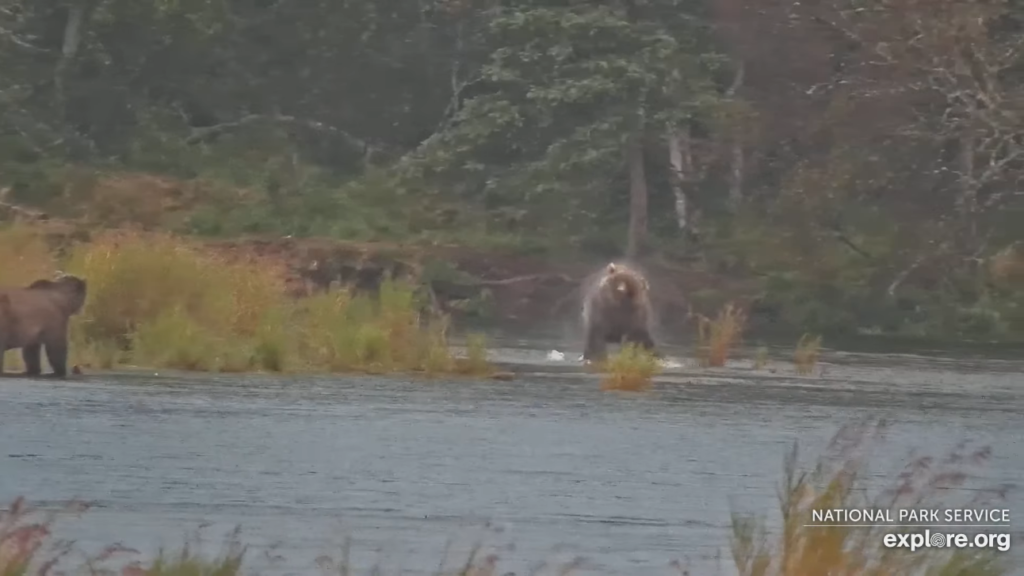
{"points": [[630, 482]]}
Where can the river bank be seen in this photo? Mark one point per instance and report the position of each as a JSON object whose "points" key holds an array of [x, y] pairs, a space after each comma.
{"points": [[488, 286], [476, 290], [168, 301]]}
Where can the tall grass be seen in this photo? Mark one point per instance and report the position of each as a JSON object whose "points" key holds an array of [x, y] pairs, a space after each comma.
{"points": [[24, 537], [187, 562], [158, 300], [717, 337], [836, 481], [805, 357], [24, 256]]}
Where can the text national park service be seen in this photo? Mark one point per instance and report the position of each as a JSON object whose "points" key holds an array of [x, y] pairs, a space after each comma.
{"points": [[887, 516]]}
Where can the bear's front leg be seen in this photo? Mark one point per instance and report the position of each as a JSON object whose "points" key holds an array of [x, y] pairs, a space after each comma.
{"points": [[643, 339], [595, 349]]}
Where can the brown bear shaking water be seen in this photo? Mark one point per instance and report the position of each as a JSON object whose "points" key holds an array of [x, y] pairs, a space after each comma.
{"points": [[617, 310]]}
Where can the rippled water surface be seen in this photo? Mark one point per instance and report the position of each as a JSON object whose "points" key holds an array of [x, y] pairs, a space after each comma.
{"points": [[630, 482]]}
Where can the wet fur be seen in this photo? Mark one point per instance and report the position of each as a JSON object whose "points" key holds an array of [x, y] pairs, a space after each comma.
{"points": [[617, 310], [36, 316]]}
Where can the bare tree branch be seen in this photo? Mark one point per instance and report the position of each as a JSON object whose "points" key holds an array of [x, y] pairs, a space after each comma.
{"points": [[207, 133]]}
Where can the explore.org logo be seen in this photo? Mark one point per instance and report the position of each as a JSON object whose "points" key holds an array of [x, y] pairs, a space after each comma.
{"points": [[929, 539], [969, 527]]}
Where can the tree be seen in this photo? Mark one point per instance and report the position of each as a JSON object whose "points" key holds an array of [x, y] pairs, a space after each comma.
{"points": [[570, 101]]}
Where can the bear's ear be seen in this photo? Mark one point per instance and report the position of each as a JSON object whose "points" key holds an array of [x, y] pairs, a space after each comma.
{"points": [[612, 268]]}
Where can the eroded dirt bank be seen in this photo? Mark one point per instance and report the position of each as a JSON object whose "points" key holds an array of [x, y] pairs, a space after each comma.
{"points": [[486, 286], [481, 286]]}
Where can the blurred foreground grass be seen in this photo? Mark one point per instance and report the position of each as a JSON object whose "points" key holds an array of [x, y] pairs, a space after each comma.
{"points": [[158, 300], [836, 481]]}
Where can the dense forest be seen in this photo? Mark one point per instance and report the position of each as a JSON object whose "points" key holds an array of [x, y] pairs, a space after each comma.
{"points": [[860, 158]]}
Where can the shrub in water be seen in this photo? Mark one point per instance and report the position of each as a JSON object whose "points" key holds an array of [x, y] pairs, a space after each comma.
{"points": [[805, 358], [631, 369], [761, 358], [717, 337]]}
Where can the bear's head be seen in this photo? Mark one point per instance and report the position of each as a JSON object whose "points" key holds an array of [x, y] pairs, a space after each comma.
{"points": [[625, 285]]}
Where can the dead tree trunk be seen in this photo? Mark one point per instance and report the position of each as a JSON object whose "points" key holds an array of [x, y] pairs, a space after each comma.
{"points": [[968, 185], [637, 196], [677, 178], [683, 175], [737, 159], [78, 13], [736, 176]]}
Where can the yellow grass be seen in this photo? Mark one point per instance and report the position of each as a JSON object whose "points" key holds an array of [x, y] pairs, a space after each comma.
{"points": [[475, 362], [24, 256], [717, 337], [838, 482], [189, 563], [630, 369], [805, 357], [157, 300]]}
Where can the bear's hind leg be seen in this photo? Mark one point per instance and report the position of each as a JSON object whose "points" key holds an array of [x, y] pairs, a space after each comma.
{"points": [[31, 356], [57, 355]]}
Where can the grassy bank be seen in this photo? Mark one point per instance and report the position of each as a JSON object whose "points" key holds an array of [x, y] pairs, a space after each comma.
{"points": [[836, 481], [158, 300]]}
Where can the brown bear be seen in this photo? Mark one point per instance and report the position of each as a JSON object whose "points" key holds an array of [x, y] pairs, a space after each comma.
{"points": [[36, 316], [617, 310]]}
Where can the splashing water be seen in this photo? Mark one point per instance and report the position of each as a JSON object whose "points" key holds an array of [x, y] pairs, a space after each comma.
{"points": [[556, 356]]}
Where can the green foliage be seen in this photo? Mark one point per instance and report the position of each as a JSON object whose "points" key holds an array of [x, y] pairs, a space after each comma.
{"points": [[565, 89]]}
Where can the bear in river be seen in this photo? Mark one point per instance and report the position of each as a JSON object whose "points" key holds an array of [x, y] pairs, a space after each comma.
{"points": [[617, 310]]}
